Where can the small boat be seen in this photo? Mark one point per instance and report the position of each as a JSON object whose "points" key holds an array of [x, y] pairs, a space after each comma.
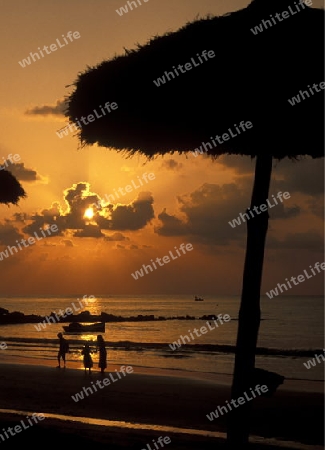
{"points": [[198, 299], [76, 327]]}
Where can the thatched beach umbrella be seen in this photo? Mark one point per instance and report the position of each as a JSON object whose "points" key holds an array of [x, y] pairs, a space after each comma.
{"points": [[11, 190], [225, 88]]}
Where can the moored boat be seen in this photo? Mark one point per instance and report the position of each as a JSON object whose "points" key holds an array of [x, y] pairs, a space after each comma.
{"points": [[76, 327]]}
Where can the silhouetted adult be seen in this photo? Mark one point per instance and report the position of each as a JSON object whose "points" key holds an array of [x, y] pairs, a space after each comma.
{"points": [[101, 347], [63, 350]]}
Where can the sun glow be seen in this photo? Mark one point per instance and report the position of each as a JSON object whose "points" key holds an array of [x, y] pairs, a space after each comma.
{"points": [[89, 213]]}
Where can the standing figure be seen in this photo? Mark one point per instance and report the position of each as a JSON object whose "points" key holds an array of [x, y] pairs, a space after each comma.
{"points": [[63, 349], [87, 359], [102, 363]]}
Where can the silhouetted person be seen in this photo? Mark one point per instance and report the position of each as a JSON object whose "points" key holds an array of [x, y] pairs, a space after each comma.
{"points": [[87, 359], [63, 350], [102, 363]]}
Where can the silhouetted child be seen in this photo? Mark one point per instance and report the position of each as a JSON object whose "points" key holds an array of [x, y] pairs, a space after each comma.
{"points": [[87, 359]]}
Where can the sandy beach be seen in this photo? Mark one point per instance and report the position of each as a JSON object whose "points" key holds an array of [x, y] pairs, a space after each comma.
{"points": [[146, 404]]}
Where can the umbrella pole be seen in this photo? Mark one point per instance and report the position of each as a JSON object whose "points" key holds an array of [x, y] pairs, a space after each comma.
{"points": [[249, 313]]}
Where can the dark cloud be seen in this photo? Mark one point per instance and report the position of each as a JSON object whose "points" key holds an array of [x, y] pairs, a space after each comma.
{"points": [[67, 243], [116, 237], [310, 240], [171, 225], [207, 212], [241, 164], [40, 222], [20, 217], [9, 234], [281, 212], [22, 173], [305, 176], [204, 214], [92, 231], [53, 212], [78, 199], [316, 206], [45, 110], [134, 216], [171, 164]]}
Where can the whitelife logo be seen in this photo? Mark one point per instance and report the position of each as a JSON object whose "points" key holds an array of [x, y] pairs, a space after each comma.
{"points": [[124, 9], [206, 146], [277, 19], [241, 401], [165, 259], [31, 241], [185, 68], [110, 198], [10, 158], [158, 445], [91, 117], [102, 383], [262, 207], [19, 428], [53, 48], [312, 363], [275, 292], [302, 95], [204, 330], [62, 314]]}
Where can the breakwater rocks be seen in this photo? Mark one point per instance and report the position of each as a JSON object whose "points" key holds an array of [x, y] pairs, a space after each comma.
{"points": [[15, 317]]}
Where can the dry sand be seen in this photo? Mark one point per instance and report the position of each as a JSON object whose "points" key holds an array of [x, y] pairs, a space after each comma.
{"points": [[148, 397]]}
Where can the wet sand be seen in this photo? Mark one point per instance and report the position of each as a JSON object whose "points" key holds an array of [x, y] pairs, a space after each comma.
{"points": [[148, 397]]}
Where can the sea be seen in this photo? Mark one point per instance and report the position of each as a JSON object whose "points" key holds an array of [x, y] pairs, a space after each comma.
{"points": [[291, 333]]}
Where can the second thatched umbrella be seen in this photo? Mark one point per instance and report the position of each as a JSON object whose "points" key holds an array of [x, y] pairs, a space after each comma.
{"points": [[11, 191], [231, 99]]}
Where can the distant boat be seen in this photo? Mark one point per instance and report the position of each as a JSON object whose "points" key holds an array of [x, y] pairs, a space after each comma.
{"points": [[198, 299], [76, 327]]}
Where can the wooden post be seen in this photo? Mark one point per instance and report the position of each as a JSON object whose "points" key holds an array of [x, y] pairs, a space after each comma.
{"points": [[249, 313]]}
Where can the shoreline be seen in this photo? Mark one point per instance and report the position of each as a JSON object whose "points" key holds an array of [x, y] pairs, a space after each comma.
{"points": [[159, 398], [295, 385]]}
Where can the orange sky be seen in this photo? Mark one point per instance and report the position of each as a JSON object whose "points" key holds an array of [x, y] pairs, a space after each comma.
{"points": [[188, 199]]}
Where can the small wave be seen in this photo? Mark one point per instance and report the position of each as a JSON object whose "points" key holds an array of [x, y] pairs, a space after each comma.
{"points": [[186, 348]]}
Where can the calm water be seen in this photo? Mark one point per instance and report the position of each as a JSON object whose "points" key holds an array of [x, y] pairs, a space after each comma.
{"points": [[289, 326]]}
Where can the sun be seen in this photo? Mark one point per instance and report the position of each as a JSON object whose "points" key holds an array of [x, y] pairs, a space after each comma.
{"points": [[89, 213]]}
